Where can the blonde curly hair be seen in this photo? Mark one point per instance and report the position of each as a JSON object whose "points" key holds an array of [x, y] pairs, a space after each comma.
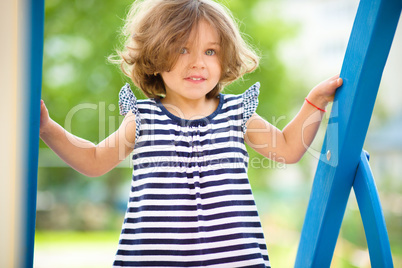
{"points": [[156, 30]]}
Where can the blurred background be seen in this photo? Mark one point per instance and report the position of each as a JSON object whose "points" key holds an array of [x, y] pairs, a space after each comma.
{"points": [[301, 43]]}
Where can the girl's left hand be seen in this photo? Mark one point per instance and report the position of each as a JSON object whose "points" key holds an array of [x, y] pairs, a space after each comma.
{"points": [[324, 92]]}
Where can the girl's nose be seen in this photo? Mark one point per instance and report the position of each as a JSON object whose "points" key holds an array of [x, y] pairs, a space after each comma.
{"points": [[197, 61]]}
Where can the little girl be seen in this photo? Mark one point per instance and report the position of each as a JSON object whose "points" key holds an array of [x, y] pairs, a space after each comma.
{"points": [[190, 203]]}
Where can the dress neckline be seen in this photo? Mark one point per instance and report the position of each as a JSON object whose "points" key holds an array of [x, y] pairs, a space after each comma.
{"points": [[187, 122]]}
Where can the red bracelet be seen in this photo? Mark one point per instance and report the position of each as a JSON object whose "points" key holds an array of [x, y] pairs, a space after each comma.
{"points": [[322, 110]]}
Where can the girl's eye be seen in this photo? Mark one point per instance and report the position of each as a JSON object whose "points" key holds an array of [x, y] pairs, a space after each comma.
{"points": [[210, 52], [183, 50]]}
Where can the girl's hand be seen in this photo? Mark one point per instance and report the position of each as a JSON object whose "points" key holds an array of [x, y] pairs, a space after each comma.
{"points": [[291, 143], [324, 92], [44, 116]]}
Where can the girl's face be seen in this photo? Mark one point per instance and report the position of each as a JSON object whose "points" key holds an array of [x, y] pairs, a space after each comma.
{"points": [[198, 69]]}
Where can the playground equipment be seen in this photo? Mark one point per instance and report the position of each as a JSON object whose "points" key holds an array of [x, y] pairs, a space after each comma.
{"points": [[343, 164], [21, 79]]}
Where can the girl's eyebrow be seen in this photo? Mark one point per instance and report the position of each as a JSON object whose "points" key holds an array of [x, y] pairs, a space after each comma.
{"points": [[214, 43], [208, 44]]}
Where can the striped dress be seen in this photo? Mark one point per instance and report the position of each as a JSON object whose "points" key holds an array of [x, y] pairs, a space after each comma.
{"points": [[190, 203]]}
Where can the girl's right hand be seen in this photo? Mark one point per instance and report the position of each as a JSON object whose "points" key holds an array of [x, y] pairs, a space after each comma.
{"points": [[44, 116]]}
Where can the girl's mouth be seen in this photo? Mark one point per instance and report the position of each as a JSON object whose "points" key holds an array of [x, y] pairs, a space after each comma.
{"points": [[195, 79]]}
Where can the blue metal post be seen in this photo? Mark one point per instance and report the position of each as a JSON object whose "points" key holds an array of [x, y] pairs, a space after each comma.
{"points": [[33, 92], [364, 61]]}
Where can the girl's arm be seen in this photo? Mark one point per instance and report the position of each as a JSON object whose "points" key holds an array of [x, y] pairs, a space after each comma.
{"points": [[85, 157], [290, 144]]}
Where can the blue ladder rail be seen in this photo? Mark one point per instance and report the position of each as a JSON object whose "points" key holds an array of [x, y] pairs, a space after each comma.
{"points": [[372, 216], [33, 88], [341, 166]]}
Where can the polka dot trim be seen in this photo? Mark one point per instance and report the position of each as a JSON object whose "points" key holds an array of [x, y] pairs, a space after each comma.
{"points": [[250, 103], [128, 102]]}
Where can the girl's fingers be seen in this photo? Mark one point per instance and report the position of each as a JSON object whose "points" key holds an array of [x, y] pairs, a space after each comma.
{"points": [[338, 82], [42, 104]]}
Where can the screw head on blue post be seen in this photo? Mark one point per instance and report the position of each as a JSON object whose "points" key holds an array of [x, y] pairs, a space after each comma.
{"points": [[329, 155]]}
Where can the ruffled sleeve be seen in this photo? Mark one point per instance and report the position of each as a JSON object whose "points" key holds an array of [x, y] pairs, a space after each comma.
{"points": [[128, 102], [250, 103]]}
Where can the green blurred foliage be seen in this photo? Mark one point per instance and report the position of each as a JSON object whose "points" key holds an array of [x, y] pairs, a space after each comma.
{"points": [[80, 89], [79, 36]]}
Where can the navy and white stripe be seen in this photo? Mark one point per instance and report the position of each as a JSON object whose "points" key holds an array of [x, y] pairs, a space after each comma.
{"points": [[190, 203]]}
